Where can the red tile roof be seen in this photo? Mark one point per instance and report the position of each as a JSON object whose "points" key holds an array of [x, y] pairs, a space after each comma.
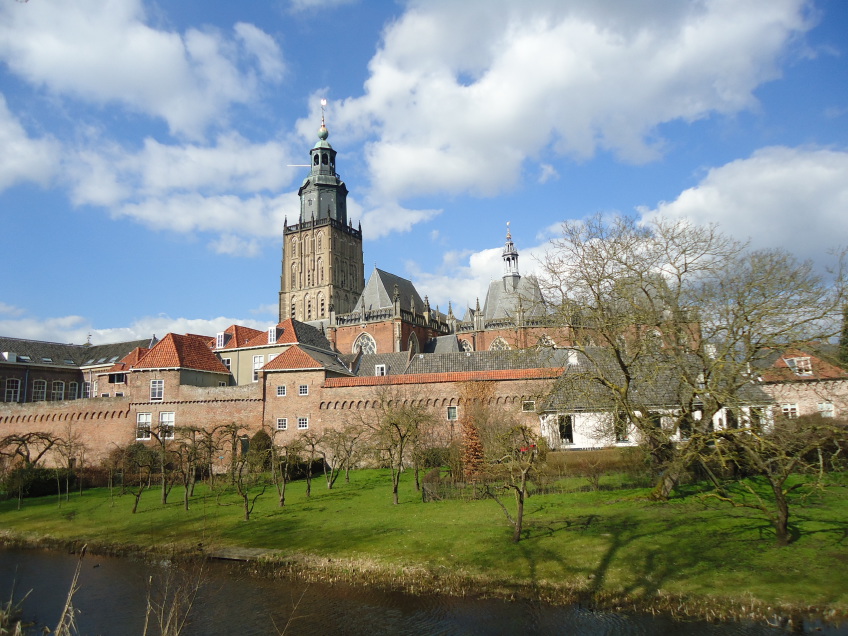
{"points": [[293, 358], [129, 360], [186, 352], [432, 378], [780, 371], [239, 337]]}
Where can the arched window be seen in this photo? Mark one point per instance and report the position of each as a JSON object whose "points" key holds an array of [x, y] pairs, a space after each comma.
{"points": [[294, 277], [336, 271], [325, 160], [39, 390], [320, 274], [412, 343], [320, 240], [499, 345], [309, 307], [309, 278], [321, 306], [546, 341], [58, 392], [294, 247], [366, 343], [465, 345], [315, 159], [294, 307]]}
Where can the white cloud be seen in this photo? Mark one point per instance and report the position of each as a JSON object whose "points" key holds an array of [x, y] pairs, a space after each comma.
{"points": [[461, 95], [10, 310], [23, 158], [235, 246], [790, 197], [77, 329], [391, 217], [105, 52], [323, 5]]}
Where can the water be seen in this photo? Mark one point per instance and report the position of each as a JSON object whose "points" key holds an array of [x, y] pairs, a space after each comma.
{"points": [[113, 592]]}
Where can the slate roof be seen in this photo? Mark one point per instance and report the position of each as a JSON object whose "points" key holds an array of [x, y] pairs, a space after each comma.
{"points": [[486, 360], [503, 297], [239, 337], [128, 360], [442, 344], [379, 291], [395, 363], [76, 355], [182, 352], [306, 357], [656, 383]]}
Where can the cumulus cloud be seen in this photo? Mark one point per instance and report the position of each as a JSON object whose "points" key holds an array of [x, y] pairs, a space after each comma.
{"points": [[790, 197], [391, 217], [107, 52], [23, 158], [323, 5], [10, 310], [461, 95], [78, 329]]}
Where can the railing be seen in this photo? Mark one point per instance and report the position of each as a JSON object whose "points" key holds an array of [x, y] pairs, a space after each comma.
{"points": [[307, 225]]}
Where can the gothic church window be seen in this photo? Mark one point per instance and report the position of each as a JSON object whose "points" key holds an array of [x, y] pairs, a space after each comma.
{"points": [[465, 345], [499, 344], [320, 266], [412, 343], [366, 343]]}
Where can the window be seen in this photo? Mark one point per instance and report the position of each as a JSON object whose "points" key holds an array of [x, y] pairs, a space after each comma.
{"points": [[86, 390], [826, 409], [142, 426], [157, 390], [565, 424], [412, 344], [379, 369], [104, 395], [220, 340], [272, 335], [13, 390], [258, 363], [800, 366], [365, 343], [119, 394], [73, 391], [499, 344], [452, 413], [39, 390], [281, 391], [303, 389], [271, 356], [302, 423], [621, 427], [282, 424], [222, 383], [226, 362], [166, 425], [47, 360], [465, 345], [789, 410], [528, 406]]}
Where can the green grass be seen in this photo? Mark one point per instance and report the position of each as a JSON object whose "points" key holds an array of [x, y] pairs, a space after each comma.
{"points": [[613, 544]]}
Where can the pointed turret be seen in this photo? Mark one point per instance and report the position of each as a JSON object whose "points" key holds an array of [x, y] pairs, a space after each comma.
{"points": [[510, 256]]}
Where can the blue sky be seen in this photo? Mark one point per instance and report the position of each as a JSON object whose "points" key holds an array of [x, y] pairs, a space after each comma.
{"points": [[145, 147]]}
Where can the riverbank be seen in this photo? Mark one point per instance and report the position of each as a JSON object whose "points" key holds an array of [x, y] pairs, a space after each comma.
{"points": [[609, 550]]}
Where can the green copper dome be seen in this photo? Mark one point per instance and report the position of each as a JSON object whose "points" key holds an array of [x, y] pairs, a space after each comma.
{"points": [[323, 133]]}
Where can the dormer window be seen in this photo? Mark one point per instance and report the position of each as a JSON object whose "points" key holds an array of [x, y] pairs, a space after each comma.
{"points": [[220, 340], [379, 369], [272, 335], [800, 366]]}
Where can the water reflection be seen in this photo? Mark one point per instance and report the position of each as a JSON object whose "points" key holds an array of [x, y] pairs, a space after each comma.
{"points": [[113, 593]]}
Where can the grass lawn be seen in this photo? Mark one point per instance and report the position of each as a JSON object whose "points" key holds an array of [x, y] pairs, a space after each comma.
{"points": [[613, 544]]}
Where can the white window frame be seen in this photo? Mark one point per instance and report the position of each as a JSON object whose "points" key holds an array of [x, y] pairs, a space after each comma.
{"points": [[272, 335], [73, 390], [86, 390], [303, 389], [789, 410], [142, 425], [379, 369], [281, 390], [800, 366], [166, 424], [226, 362], [220, 340], [452, 413], [39, 390], [13, 389], [258, 363], [282, 424], [57, 391], [302, 423], [157, 390], [827, 409]]}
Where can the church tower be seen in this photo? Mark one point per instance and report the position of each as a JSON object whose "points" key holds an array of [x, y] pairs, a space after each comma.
{"points": [[322, 267]]}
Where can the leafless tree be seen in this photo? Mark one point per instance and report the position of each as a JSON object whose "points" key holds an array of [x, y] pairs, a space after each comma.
{"points": [[675, 302]]}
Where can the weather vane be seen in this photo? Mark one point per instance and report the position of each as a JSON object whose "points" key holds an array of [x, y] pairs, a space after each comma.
{"points": [[323, 104]]}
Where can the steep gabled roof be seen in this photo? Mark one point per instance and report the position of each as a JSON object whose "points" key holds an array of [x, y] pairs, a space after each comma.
{"points": [[379, 291], [783, 366], [239, 337], [129, 360], [293, 332], [182, 352], [305, 357]]}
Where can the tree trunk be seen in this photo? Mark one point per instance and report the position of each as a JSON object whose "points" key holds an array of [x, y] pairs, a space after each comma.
{"points": [[781, 522], [395, 484]]}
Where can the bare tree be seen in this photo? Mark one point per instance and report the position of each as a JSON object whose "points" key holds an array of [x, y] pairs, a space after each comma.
{"points": [[771, 457], [284, 458], [311, 444], [339, 447], [246, 467], [683, 304]]}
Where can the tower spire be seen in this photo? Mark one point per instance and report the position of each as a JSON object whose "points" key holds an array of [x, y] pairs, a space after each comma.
{"points": [[510, 256]]}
